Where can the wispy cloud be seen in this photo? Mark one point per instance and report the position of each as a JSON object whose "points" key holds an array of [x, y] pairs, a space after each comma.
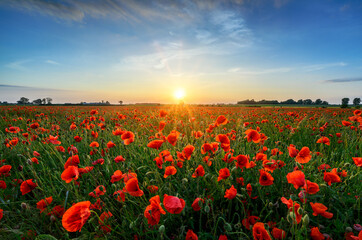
{"points": [[260, 71], [129, 10], [17, 65], [343, 80], [52, 62], [231, 25], [317, 67]]}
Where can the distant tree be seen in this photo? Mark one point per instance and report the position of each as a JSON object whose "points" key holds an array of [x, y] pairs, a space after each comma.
{"points": [[318, 101], [37, 101], [344, 102], [107, 103], [300, 101], [120, 102], [289, 101], [43, 101], [23, 100], [307, 102], [49, 100], [325, 103], [356, 102]]}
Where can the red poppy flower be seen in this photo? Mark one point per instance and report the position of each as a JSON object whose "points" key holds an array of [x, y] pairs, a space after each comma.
{"points": [[76, 216], [94, 144], [252, 135], [99, 191], [103, 220], [293, 152], [119, 159], [190, 235], [311, 187], [225, 142], [173, 204], [297, 178], [161, 126], [259, 232], [315, 234], [324, 140], [172, 138], [331, 177], [153, 211], [356, 160], [303, 155], [170, 170], [42, 204], [266, 179], [187, 151], [242, 161], [110, 144], [221, 120], [27, 186], [230, 193], [72, 161], [196, 204], [120, 196], [70, 173], [132, 187], [224, 173], [117, 176], [128, 137], [320, 209], [279, 233], [199, 172], [156, 144]]}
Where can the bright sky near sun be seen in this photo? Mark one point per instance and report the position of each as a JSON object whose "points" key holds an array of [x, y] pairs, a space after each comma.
{"points": [[162, 51]]}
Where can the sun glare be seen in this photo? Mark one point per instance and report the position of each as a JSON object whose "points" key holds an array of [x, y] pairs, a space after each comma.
{"points": [[179, 94]]}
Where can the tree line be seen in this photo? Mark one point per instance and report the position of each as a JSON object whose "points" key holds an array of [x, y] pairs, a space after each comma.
{"points": [[289, 101]]}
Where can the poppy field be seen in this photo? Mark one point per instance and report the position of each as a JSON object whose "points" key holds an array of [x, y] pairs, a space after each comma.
{"points": [[180, 172]]}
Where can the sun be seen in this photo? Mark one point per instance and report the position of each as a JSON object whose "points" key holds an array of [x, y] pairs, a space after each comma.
{"points": [[179, 94]]}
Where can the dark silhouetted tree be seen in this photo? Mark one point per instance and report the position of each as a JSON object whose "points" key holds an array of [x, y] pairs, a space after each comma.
{"points": [[120, 102], [23, 100], [307, 102], [37, 101], [318, 101], [344, 102], [356, 102], [300, 101], [325, 103], [49, 100]]}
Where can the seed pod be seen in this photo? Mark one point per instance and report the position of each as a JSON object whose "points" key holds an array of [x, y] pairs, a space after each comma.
{"points": [[161, 229]]}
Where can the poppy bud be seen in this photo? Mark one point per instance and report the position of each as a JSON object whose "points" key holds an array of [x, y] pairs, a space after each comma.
{"points": [[271, 205], [131, 225], [52, 218], [28, 161], [184, 180], [346, 165], [228, 227], [305, 220], [348, 229], [161, 229], [291, 216], [322, 185], [25, 206], [207, 209], [20, 168]]}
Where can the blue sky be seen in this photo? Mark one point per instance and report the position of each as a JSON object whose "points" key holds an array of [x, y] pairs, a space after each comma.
{"points": [[217, 51]]}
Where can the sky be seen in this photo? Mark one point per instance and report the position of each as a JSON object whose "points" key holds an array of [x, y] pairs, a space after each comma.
{"points": [[145, 51]]}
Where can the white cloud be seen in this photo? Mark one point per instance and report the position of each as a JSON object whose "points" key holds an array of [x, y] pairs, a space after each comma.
{"points": [[317, 67], [52, 62]]}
